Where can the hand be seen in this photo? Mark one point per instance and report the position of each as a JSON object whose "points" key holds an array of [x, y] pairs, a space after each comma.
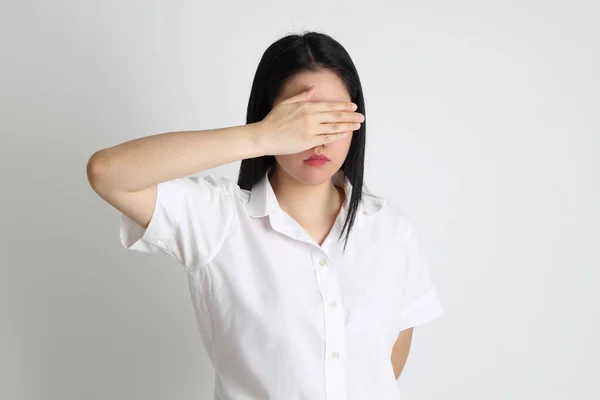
{"points": [[297, 124]]}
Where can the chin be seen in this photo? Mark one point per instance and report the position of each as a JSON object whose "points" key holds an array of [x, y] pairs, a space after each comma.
{"points": [[315, 175]]}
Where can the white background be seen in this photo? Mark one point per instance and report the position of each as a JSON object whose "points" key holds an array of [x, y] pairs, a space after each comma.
{"points": [[482, 124]]}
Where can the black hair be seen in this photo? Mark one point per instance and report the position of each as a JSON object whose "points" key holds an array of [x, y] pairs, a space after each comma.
{"points": [[290, 55]]}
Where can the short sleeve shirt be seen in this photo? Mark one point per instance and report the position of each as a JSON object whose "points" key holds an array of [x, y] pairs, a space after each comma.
{"points": [[280, 316]]}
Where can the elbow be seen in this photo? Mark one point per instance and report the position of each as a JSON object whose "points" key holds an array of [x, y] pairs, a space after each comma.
{"points": [[96, 169]]}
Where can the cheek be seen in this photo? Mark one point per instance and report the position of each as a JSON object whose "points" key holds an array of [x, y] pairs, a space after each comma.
{"points": [[338, 150], [344, 144]]}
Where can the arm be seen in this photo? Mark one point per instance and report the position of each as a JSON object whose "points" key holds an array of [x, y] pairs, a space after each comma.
{"points": [[400, 351], [126, 175]]}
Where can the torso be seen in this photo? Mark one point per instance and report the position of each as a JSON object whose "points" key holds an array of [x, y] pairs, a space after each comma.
{"points": [[284, 311]]}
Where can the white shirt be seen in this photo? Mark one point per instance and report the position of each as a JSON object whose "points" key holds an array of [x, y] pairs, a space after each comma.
{"points": [[281, 317]]}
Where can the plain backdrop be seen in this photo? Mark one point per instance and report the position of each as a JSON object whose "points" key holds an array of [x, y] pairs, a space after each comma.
{"points": [[483, 125]]}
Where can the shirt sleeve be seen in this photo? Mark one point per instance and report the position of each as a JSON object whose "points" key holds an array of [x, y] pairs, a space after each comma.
{"points": [[421, 302], [190, 220]]}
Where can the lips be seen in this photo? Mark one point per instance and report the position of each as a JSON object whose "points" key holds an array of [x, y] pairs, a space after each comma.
{"points": [[317, 157]]}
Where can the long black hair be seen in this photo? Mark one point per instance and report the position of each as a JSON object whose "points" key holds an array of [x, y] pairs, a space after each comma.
{"points": [[292, 54]]}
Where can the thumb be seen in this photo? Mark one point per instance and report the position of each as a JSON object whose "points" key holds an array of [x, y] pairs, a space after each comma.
{"points": [[302, 96]]}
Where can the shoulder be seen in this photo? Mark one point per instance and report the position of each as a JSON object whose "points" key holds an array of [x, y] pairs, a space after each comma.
{"points": [[212, 182], [386, 214], [211, 179], [222, 188]]}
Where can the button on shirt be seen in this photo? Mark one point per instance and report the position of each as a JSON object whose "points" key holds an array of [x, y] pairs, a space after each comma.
{"points": [[280, 316]]}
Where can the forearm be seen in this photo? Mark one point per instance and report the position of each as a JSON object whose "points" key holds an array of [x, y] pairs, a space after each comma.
{"points": [[400, 351], [143, 162]]}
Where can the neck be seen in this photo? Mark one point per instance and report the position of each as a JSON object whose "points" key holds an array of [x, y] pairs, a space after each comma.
{"points": [[310, 204]]}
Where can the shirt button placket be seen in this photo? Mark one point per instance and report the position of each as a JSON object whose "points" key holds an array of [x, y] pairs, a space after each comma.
{"points": [[335, 333]]}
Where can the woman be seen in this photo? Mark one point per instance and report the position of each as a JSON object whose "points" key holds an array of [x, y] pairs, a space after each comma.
{"points": [[304, 285]]}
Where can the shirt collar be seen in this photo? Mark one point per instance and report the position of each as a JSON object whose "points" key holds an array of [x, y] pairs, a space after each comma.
{"points": [[263, 201]]}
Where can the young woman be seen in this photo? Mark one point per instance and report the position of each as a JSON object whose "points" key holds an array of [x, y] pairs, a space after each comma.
{"points": [[304, 285]]}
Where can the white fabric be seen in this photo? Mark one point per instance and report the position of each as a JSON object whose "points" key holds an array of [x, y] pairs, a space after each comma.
{"points": [[281, 317]]}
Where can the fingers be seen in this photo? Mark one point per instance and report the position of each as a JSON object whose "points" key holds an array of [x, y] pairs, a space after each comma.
{"points": [[323, 106], [329, 138], [337, 127], [338, 121], [339, 116]]}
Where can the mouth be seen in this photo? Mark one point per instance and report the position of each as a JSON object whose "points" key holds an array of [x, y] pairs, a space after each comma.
{"points": [[316, 160], [317, 157]]}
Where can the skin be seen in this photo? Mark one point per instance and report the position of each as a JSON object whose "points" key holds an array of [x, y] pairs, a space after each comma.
{"points": [[303, 191], [400, 351], [307, 192]]}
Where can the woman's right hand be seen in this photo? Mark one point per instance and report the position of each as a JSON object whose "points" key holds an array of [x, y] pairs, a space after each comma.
{"points": [[297, 124]]}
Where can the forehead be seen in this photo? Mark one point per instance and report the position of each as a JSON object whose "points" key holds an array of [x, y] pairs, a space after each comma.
{"points": [[329, 87]]}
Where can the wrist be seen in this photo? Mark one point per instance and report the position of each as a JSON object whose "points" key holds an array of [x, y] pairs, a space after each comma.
{"points": [[257, 138]]}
